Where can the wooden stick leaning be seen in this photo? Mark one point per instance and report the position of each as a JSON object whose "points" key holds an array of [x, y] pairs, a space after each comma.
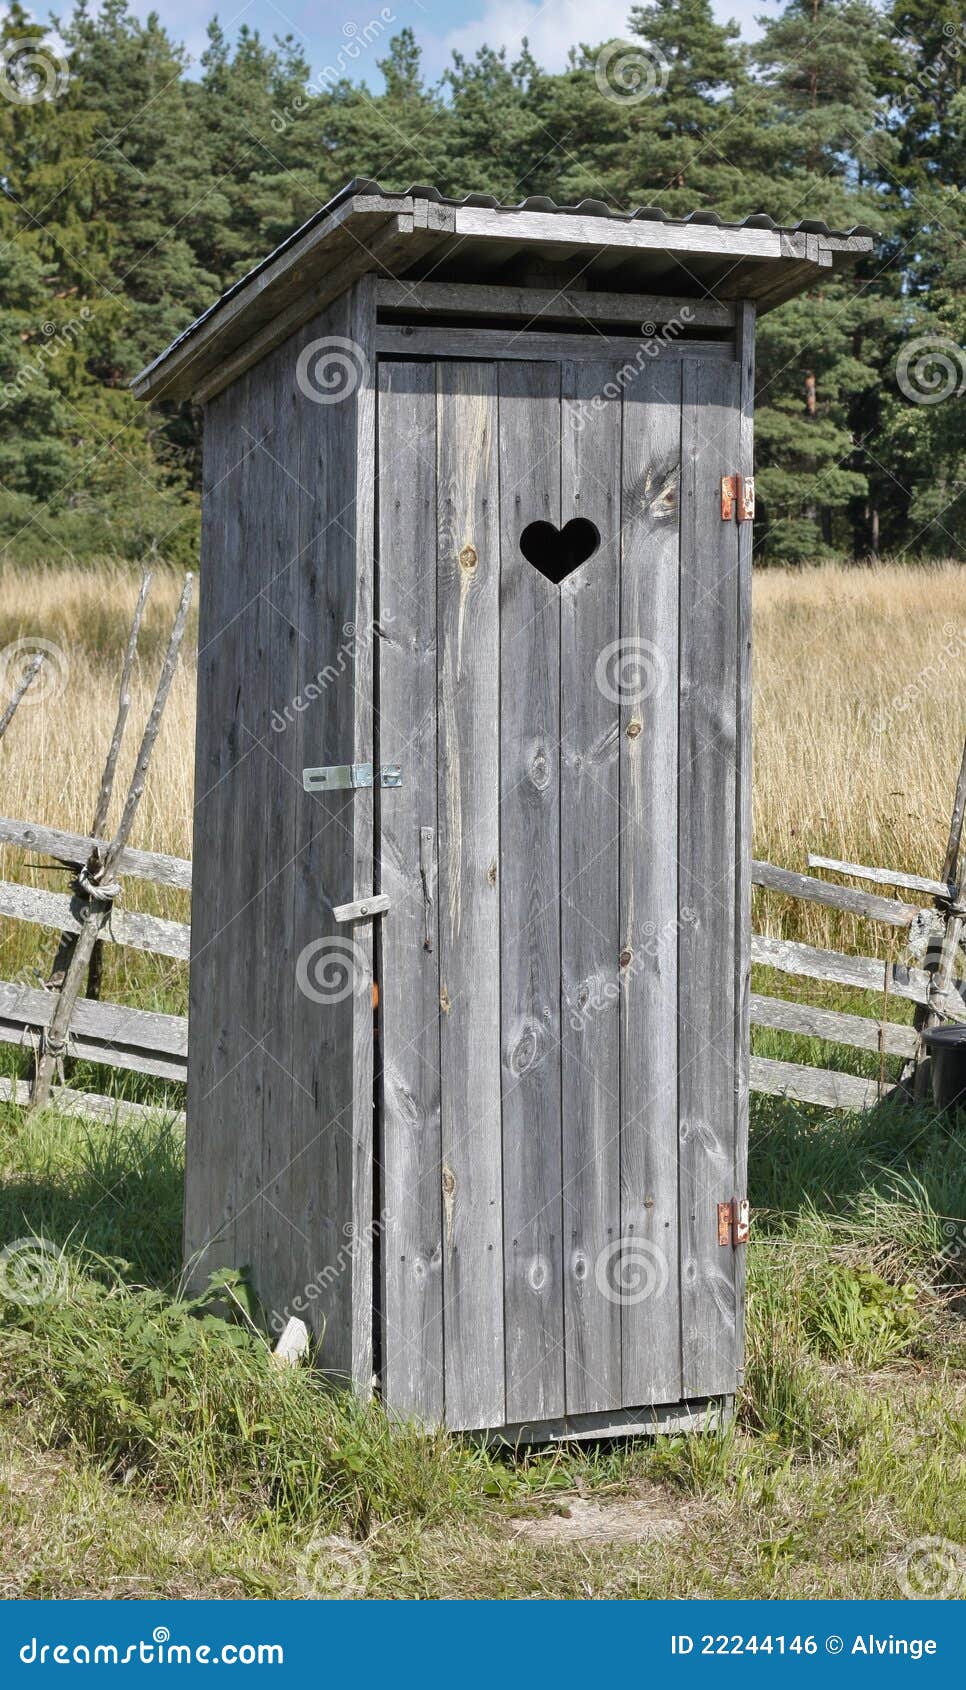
{"points": [[26, 680], [102, 894], [123, 707], [92, 867], [953, 910], [110, 766]]}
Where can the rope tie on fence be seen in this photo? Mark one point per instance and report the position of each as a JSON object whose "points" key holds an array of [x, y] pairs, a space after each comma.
{"points": [[104, 890]]}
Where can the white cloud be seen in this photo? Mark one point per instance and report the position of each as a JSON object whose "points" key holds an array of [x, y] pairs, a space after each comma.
{"points": [[552, 27]]}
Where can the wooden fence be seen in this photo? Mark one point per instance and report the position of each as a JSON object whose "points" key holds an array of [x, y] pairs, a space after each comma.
{"points": [[60, 1023], [146, 1042]]}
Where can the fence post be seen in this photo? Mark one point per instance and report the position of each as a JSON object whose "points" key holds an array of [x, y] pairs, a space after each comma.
{"points": [[952, 909], [102, 891], [68, 941]]}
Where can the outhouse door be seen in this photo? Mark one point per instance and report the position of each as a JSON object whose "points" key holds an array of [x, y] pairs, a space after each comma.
{"points": [[557, 995]]}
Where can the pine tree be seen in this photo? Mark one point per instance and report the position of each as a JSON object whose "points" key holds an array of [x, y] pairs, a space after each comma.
{"points": [[814, 109]]}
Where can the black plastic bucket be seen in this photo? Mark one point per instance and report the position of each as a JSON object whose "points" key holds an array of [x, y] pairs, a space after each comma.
{"points": [[947, 1053]]}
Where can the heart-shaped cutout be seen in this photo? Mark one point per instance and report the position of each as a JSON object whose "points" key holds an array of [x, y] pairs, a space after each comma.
{"points": [[557, 552]]}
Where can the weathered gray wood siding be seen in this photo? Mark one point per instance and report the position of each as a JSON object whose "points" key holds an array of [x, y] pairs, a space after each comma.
{"points": [[280, 1074], [561, 985], [707, 829]]}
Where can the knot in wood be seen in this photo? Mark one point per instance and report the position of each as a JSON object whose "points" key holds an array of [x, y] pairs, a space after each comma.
{"points": [[468, 557], [539, 769], [633, 729], [527, 1051]]}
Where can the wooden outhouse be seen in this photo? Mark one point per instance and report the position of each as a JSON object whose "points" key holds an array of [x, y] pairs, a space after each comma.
{"points": [[468, 1064]]}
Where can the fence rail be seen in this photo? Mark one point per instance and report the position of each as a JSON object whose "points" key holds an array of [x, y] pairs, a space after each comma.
{"points": [[59, 1022], [148, 1042]]}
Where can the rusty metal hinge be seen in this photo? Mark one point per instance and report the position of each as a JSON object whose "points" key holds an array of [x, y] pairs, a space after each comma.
{"points": [[734, 1222], [738, 496]]}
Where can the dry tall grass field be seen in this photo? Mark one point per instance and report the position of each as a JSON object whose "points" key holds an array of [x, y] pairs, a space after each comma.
{"points": [[843, 1471], [860, 674]]}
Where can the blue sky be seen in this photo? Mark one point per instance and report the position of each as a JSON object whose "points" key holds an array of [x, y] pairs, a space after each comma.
{"points": [[325, 26]]}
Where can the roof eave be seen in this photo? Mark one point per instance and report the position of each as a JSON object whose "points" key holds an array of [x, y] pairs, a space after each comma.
{"points": [[361, 232]]}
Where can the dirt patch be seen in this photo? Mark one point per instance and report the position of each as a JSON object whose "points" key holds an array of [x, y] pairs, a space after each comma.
{"points": [[627, 1519]]}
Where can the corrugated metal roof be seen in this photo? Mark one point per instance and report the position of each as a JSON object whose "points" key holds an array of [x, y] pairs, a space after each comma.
{"points": [[536, 202], [209, 327], [592, 208]]}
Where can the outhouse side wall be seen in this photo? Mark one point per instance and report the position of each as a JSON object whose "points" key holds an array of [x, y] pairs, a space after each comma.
{"points": [[279, 1150]]}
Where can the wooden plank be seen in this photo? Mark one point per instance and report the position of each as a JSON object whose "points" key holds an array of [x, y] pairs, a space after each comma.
{"points": [[530, 895], [815, 1085], [274, 1222], [363, 909], [885, 876], [858, 1031], [629, 350], [642, 1421], [744, 694], [76, 848], [32, 1006], [643, 672], [890, 911], [589, 892], [214, 1056], [410, 1151], [323, 1174], [867, 973], [360, 591], [131, 1060], [469, 896], [262, 1079], [706, 834], [552, 304], [561, 229], [63, 912], [71, 1102]]}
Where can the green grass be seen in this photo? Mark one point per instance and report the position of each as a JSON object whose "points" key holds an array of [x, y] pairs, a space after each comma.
{"points": [[150, 1447]]}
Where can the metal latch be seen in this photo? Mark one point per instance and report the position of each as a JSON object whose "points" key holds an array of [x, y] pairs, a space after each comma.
{"points": [[734, 1222], [338, 777], [362, 909], [738, 494]]}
